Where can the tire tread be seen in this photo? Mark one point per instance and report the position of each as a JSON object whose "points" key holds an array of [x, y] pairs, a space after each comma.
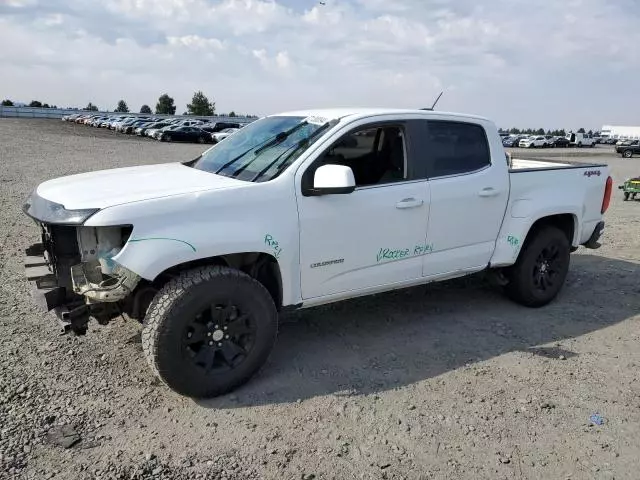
{"points": [[515, 289], [170, 294]]}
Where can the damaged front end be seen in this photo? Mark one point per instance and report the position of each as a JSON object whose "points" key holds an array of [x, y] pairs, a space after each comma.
{"points": [[97, 277], [72, 267]]}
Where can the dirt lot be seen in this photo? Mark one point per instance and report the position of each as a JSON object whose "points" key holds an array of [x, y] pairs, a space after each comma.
{"points": [[444, 381]]}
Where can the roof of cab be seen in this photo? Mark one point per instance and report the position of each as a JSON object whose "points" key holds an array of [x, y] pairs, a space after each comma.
{"points": [[332, 113]]}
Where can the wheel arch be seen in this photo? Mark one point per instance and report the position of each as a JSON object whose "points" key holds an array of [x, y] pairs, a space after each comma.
{"points": [[518, 232], [567, 222], [259, 265]]}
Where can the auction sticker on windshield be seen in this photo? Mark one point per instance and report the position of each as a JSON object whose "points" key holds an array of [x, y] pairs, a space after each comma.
{"points": [[316, 120]]}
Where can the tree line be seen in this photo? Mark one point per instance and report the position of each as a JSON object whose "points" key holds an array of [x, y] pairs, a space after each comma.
{"points": [[34, 103], [200, 105]]}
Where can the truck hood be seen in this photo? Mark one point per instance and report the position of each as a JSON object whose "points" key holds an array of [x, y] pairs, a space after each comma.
{"points": [[106, 188]]}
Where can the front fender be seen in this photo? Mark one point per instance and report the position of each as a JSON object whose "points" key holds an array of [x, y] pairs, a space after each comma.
{"points": [[175, 230]]}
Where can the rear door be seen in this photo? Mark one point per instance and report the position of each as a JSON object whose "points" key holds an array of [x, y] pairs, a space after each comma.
{"points": [[469, 194]]}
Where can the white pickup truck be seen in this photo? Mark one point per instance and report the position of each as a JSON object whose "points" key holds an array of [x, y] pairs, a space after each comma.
{"points": [[300, 209]]}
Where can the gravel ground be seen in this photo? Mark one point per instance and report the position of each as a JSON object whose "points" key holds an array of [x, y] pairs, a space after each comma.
{"points": [[443, 381]]}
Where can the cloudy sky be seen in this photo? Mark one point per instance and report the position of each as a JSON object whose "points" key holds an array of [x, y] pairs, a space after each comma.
{"points": [[520, 62]]}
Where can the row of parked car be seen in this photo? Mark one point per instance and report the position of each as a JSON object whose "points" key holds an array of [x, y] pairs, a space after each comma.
{"points": [[162, 129], [547, 141]]}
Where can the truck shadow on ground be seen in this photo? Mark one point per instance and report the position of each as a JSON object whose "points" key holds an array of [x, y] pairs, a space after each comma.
{"points": [[377, 343]]}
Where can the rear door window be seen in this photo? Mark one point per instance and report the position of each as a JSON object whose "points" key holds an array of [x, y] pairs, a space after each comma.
{"points": [[456, 148]]}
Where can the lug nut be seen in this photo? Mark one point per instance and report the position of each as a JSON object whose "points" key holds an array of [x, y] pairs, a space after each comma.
{"points": [[210, 343], [208, 334], [189, 335], [226, 336], [219, 344], [216, 327], [226, 328]]}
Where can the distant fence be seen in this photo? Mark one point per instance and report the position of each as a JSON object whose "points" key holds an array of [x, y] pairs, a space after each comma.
{"points": [[58, 113]]}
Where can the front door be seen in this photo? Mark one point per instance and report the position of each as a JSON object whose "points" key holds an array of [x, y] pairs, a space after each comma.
{"points": [[376, 234]]}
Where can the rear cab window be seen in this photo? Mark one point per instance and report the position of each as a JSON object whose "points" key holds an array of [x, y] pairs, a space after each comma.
{"points": [[455, 148]]}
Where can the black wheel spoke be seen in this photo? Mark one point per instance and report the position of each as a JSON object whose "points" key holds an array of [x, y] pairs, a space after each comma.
{"points": [[205, 357], [239, 326], [222, 313], [231, 351], [216, 314], [543, 282], [196, 333], [205, 317]]}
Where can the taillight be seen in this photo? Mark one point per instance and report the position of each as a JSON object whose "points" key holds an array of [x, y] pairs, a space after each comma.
{"points": [[607, 195]]}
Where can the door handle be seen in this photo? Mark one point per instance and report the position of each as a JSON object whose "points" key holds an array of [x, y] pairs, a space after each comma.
{"points": [[488, 192], [409, 203]]}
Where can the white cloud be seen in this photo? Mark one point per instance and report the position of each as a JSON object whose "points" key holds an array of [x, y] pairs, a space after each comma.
{"points": [[20, 3], [282, 60], [511, 60], [196, 42]]}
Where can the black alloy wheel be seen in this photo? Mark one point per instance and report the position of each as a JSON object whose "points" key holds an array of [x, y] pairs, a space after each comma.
{"points": [[547, 267], [219, 338]]}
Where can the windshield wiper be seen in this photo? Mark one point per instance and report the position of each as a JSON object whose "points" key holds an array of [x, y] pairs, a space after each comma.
{"points": [[263, 144], [278, 138], [295, 147]]}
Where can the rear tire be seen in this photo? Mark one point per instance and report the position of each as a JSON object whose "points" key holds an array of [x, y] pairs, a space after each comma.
{"points": [[209, 330], [541, 269]]}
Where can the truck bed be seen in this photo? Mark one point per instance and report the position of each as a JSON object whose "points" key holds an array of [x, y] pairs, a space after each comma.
{"points": [[573, 187], [520, 165]]}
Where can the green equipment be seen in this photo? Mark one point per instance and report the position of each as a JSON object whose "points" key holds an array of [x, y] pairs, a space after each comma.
{"points": [[631, 188]]}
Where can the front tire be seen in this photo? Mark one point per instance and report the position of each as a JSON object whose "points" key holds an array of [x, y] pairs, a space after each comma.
{"points": [[626, 196], [541, 269], [627, 154], [209, 330]]}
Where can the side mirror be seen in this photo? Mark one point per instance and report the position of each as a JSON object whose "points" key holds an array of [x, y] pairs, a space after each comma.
{"points": [[333, 179]]}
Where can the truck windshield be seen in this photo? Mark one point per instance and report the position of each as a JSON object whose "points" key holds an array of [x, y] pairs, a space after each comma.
{"points": [[263, 149]]}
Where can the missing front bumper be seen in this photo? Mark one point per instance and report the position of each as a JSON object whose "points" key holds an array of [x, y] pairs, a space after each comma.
{"points": [[97, 289], [70, 310], [39, 272], [76, 301]]}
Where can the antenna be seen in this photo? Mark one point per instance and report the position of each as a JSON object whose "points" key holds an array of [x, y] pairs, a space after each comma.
{"points": [[434, 103]]}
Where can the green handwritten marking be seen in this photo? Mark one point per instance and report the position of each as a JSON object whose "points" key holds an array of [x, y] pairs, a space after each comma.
{"points": [[389, 254], [273, 243], [423, 249], [163, 238], [513, 241]]}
